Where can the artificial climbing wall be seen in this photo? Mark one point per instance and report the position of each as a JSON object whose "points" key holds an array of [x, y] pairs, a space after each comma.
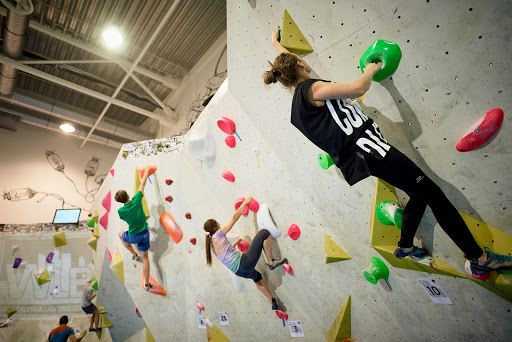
{"points": [[287, 177]]}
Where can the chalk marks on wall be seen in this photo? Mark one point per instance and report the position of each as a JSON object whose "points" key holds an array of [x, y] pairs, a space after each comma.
{"points": [[211, 87]]}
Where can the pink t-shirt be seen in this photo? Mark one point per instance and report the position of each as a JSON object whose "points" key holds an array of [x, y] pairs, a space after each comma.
{"points": [[225, 252]]}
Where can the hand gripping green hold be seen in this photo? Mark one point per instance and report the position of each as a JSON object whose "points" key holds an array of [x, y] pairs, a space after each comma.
{"points": [[377, 270], [94, 284], [390, 212], [325, 160], [388, 53]]}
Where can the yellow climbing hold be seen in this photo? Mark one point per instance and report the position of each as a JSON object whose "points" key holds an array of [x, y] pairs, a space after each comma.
{"points": [[105, 322], [93, 242], [96, 216], [149, 336], [59, 239], [96, 232], [117, 266], [10, 312], [292, 38], [42, 277], [136, 185], [341, 329], [333, 252], [214, 334]]}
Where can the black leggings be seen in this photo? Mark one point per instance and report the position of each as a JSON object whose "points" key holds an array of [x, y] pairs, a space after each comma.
{"points": [[251, 257], [398, 170]]}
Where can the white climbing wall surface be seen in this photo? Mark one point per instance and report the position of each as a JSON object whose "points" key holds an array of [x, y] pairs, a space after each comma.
{"points": [[454, 69]]}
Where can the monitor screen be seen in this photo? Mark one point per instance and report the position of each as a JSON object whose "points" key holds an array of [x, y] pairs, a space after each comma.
{"points": [[67, 216]]}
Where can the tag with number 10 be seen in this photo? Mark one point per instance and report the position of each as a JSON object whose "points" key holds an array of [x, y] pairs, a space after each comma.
{"points": [[435, 291]]}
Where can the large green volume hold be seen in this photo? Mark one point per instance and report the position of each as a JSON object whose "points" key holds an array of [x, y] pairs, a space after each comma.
{"points": [[388, 53]]}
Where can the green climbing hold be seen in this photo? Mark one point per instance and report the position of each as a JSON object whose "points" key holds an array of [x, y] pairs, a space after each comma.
{"points": [[390, 212], [325, 160], [377, 270], [94, 284], [280, 32], [90, 222], [388, 53]]}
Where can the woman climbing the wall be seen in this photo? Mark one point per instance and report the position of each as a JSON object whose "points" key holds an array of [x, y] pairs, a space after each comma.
{"points": [[241, 264], [354, 142]]}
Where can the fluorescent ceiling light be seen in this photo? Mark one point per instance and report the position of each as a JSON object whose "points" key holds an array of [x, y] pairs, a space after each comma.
{"points": [[67, 128], [112, 38]]}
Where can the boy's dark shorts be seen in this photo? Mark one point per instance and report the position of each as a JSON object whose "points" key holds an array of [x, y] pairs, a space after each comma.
{"points": [[90, 309]]}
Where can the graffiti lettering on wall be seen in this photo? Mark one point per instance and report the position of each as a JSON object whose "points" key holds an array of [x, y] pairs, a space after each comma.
{"points": [[62, 294], [212, 85], [56, 162]]}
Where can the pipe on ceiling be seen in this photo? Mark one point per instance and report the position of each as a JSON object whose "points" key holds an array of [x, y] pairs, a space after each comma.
{"points": [[14, 36]]}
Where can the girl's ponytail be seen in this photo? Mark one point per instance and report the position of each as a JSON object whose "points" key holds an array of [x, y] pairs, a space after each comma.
{"points": [[210, 228], [283, 70]]}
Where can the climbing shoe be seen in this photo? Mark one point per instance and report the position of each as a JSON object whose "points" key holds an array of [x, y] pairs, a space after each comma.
{"points": [[495, 262], [148, 287], [277, 263], [274, 304], [416, 253]]}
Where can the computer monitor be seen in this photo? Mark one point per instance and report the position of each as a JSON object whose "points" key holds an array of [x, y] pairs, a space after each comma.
{"points": [[67, 215]]}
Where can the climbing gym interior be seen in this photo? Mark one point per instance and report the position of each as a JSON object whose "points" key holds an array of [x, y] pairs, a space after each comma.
{"points": [[185, 96]]}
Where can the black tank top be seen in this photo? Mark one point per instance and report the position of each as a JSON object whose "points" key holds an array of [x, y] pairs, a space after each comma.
{"points": [[341, 129]]}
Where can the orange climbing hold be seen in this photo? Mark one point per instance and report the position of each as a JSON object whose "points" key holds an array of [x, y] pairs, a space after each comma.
{"points": [[157, 289], [172, 228], [152, 169]]}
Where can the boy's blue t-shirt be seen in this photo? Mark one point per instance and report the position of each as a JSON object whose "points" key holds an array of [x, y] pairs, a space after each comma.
{"points": [[61, 333]]}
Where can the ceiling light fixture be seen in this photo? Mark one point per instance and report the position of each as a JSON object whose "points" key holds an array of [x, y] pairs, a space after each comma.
{"points": [[112, 38], [67, 128]]}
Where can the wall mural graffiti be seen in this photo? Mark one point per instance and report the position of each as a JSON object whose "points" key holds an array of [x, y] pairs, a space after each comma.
{"points": [[152, 147], [57, 164], [212, 85]]}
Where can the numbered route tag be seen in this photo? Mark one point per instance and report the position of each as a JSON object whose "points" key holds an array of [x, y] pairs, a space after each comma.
{"points": [[223, 318], [435, 291], [201, 322], [296, 329]]}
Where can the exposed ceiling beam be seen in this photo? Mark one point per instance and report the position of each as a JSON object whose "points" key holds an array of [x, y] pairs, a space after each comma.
{"points": [[74, 61], [165, 121], [169, 81], [134, 66], [23, 101]]}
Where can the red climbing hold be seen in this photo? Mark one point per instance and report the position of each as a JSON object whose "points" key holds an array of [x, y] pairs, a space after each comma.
{"points": [[89, 215], [288, 268], [112, 171], [481, 131], [168, 181], [243, 246], [157, 289], [226, 125], [228, 176], [193, 241], [188, 216], [254, 206], [169, 198], [230, 141], [281, 314], [294, 232]]}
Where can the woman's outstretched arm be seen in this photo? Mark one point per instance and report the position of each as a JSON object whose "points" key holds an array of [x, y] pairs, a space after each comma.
{"points": [[236, 216], [280, 49]]}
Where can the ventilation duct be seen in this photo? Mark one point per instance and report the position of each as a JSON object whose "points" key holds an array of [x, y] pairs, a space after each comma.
{"points": [[9, 121], [14, 37]]}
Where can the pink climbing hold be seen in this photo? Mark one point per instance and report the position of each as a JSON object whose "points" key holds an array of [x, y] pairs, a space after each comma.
{"points": [[254, 206], [226, 125], [49, 258], [243, 246], [111, 172], [294, 232], [109, 255], [288, 268], [230, 141], [200, 305], [137, 312], [107, 201], [104, 220], [238, 203], [228, 176]]}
